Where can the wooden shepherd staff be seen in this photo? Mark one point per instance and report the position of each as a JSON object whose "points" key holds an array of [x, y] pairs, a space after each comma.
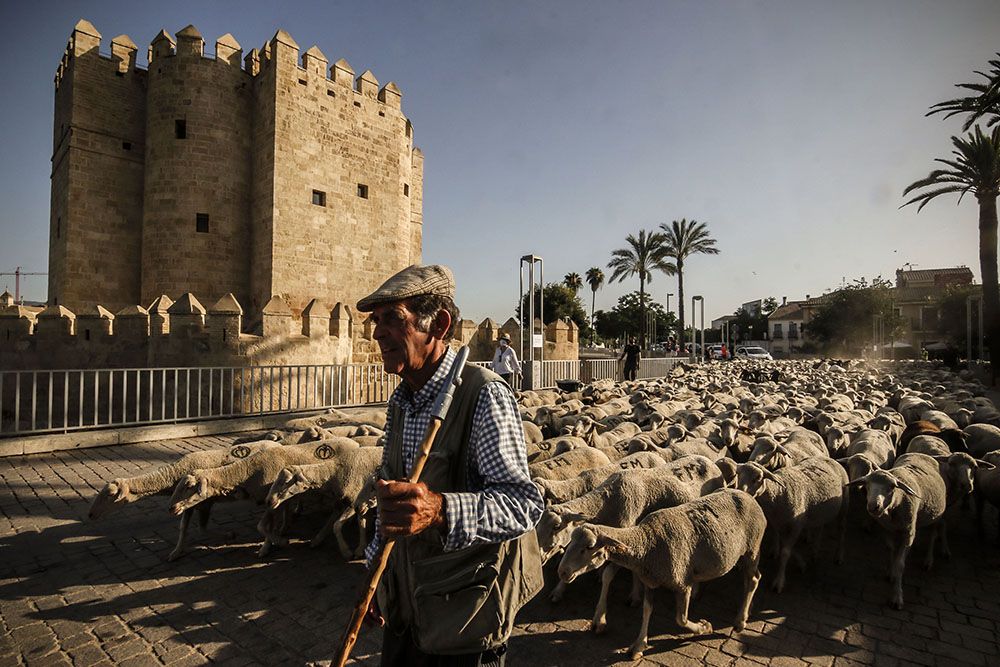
{"points": [[438, 412]]}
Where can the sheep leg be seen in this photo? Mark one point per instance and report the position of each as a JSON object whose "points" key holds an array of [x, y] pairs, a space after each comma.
{"points": [[980, 501], [898, 566], [325, 531], [683, 600], [945, 549], [558, 592], [787, 544], [362, 534], [181, 537], [751, 579], [640, 644], [600, 622], [929, 558], [845, 502], [338, 531], [635, 595], [204, 510]]}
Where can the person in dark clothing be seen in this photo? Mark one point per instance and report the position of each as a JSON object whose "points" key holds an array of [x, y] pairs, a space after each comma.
{"points": [[631, 353]]}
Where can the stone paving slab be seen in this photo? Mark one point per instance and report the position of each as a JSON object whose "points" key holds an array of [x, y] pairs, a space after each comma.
{"points": [[81, 593]]}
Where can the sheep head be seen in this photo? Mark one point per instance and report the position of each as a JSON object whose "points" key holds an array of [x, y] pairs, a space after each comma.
{"points": [[676, 432], [114, 494], [837, 441], [963, 417], [728, 430], [190, 490], [586, 551], [857, 466], [763, 449], [885, 492], [553, 531], [750, 477], [960, 470], [289, 482]]}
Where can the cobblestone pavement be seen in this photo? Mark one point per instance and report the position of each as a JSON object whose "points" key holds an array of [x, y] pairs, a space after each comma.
{"points": [[99, 593]]}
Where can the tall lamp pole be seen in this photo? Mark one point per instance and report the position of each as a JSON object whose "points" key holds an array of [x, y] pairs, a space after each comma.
{"points": [[694, 333]]}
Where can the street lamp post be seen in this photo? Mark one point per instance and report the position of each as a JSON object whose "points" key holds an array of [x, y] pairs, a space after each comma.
{"points": [[694, 333], [529, 326]]}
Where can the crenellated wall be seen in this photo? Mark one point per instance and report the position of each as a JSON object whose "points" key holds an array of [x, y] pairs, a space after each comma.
{"points": [[184, 333], [276, 173]]}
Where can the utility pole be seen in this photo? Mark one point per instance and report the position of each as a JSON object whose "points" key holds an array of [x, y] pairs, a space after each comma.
{"points": [[17, 281]]}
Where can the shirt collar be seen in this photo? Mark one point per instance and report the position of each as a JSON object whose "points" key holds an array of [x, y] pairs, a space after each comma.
{"points": [[404, 396]]}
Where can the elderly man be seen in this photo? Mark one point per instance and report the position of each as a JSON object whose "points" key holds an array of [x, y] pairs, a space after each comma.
{"points": [[466, 558]]}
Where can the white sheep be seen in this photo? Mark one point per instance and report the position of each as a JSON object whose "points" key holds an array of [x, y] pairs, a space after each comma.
{"points": [[869, 449], [250, 477], [982, 439], [162, 480], [340, 479], [622, 500], [805, 496], [793, 449], [561, 490], [908, 496], [675, 548], [569, 464]]}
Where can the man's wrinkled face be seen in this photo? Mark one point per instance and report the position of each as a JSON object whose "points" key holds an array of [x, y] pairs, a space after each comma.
{"points": [[404, 347]]}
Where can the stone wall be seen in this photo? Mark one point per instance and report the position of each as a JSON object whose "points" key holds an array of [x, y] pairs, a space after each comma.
{"points": [[184, 333]]}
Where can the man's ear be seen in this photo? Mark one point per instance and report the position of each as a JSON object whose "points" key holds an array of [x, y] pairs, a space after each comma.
{"points": [[442, 323]]}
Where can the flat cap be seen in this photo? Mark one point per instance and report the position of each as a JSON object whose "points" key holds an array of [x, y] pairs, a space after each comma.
{"points": [[414, 280]]}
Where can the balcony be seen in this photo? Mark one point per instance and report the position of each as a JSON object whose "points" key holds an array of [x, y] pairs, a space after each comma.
{"points": [[777, 335]]}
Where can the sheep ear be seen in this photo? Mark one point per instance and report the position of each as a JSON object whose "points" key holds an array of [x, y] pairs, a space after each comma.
{"points": [[770, 475], [609, 543], [903, 486], [860, 481], [985, 465], [942, 458], [573, 519], [845, 461], [781, 449]]}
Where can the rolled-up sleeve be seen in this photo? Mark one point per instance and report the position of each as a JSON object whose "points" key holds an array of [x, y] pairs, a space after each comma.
{"points": [[509, 503]]}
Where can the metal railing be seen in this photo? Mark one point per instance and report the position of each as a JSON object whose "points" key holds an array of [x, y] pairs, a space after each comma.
{"points": [[40, 401]]}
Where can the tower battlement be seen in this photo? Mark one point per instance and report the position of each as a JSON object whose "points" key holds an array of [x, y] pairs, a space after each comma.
{"points": [[272, 172]]}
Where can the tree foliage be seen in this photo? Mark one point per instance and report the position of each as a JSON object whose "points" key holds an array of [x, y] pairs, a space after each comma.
{"points": [[752, 325], [573, 281], [983, 103], [643, 255], [844, 323], [625, 319], [683, 238], [560, 303], [952, 317]]}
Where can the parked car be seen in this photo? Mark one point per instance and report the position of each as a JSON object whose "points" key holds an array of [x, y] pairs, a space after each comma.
{"points": [[753, 352]]}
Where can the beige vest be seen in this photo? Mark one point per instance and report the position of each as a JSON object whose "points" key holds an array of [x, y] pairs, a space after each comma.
{"points": [[460, 601]]}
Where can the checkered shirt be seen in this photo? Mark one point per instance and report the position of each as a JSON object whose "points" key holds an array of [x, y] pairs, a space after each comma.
{"points": [[502, 502]]}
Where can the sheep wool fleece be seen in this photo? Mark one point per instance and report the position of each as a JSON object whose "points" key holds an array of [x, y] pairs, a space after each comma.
{"points": [[461, 601]]}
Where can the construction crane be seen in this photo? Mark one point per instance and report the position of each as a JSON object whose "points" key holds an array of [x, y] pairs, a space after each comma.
{"points": [[17, 281]]}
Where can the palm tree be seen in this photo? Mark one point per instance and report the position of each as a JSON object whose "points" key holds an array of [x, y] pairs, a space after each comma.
{"points": [[642, 256], [572, 281], [595, 278], [975, 168], [683, 239], [985, 102]]}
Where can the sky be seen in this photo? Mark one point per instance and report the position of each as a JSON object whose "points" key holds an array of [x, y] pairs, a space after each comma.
{"points": [[558, 128]]}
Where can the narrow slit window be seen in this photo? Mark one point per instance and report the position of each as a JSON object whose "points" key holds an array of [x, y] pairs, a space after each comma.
{"points": [[302, 81], [406, 189], [58, 227], [357, 104], [201, 223], [127, 145], [362, 190], [319, 198], [86, 334], [331, 93], [381, 113], [180, 129]]}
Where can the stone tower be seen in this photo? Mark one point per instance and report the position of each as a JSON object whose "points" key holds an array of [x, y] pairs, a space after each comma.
{"points": [[272, 174]]}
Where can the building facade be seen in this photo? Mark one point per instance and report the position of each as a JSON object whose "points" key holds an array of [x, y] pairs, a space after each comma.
{"points": [[265, 175]]}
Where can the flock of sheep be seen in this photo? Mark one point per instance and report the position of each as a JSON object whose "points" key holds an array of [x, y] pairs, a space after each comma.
{"points": [[676, 479]]}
